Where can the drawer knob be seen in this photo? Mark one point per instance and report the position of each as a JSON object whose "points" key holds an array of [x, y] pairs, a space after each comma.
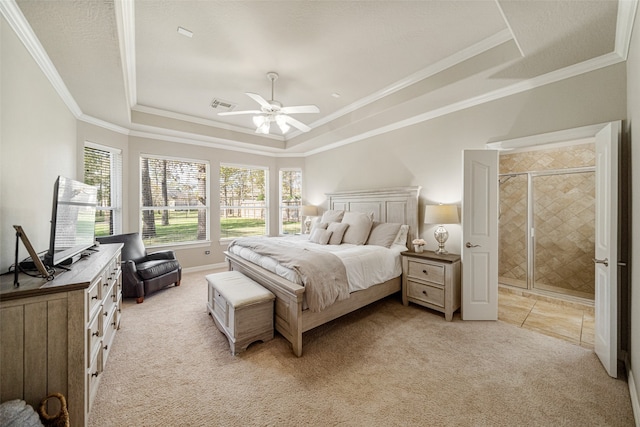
{"points": [[425, 271], [95, 374], [106, 347], [95, 334], [425, 292]]}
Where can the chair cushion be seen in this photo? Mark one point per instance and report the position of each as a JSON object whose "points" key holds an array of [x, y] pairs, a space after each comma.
{"points": [[150, 269]]}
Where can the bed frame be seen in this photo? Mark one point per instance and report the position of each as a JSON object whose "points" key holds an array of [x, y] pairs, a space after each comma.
{"points": [[398, 204]]}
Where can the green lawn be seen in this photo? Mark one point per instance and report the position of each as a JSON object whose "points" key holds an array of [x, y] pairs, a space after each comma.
{"points": [[183, 227]]}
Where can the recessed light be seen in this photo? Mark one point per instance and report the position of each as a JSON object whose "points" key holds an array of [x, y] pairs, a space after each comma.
{"points": [[185, 32]]}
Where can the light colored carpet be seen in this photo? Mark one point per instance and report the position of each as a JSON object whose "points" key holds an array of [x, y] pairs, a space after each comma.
{"points": [[385, 365]]}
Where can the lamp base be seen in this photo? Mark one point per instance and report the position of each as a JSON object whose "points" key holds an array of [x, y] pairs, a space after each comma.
{"points": [[441, 235]]}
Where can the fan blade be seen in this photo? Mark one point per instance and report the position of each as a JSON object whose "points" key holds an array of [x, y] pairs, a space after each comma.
{"points": [[300, 109], [296, 123], [234, 113], [260, 100]]}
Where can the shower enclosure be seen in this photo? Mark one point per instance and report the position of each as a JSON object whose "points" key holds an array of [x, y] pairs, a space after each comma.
{"points": [[547, 226]]}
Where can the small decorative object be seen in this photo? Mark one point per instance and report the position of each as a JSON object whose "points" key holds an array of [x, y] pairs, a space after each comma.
{"points": [[61, 419], [418, 245], [308, 211], [441, 214]]}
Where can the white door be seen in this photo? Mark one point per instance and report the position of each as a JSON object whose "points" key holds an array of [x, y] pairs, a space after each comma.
{"points": [[480, 235], [606, 257]]}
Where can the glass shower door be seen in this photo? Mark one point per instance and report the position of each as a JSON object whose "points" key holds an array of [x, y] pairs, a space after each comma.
{"points": [[512, 228], [564, 233]]}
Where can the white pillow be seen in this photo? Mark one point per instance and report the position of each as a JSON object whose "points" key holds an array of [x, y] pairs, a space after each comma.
{"points": [[332, 216], [383, 233], [359, 227], [320, 236], [337, 229], [401, 238]]}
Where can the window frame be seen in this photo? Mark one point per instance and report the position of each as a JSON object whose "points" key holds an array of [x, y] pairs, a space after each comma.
{"points": [[207, 206], [267, 199], [115, 185], [281, 206]]}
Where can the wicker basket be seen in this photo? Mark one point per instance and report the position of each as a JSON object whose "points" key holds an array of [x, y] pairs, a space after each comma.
{"points": [[61, 419]]}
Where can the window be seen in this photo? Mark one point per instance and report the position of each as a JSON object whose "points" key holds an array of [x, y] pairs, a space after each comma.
{"points": [[243, 201], [290, 201], [103, 169], [173, 200]]}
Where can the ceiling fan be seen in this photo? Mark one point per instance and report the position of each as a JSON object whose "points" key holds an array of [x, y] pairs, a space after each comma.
{"points": [[273, 111]]}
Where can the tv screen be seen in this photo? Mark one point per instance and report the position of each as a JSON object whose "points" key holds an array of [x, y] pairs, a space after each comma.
{"points": [[73, 220]]}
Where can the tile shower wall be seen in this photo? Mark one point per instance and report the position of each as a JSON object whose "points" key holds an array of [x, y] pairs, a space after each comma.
{"points": [[564, 219]]}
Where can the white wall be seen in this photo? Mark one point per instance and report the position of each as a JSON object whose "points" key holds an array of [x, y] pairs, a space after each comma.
{"points": [[38, 143], [429, 154], [633, 134]]}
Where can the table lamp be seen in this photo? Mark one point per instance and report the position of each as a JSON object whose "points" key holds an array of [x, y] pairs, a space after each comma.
{"points": [[441, 214], [308, 211]]}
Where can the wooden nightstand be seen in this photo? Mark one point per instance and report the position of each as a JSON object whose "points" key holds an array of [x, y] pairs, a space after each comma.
{"points": [[432, 280]]}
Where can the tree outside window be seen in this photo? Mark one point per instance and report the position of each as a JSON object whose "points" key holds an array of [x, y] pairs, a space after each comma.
{"points": [[243, 201], [174, 200], [290, 201], [103, 169]]}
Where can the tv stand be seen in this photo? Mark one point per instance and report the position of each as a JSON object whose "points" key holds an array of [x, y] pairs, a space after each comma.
{"points": [[57, 334]]}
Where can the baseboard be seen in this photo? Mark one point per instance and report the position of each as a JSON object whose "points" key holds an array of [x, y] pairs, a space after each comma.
{"points": [[206, 267], [635, 405]]}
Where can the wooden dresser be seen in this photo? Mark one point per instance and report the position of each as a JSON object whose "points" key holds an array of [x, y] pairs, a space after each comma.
{"points": [[431, 280], [56, 336]]}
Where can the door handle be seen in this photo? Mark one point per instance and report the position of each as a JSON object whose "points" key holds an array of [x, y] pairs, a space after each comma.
{"points": [[469, 245], [602, 261]]}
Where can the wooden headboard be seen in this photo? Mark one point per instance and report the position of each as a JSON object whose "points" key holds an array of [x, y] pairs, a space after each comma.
{"points": [[398, 204]]}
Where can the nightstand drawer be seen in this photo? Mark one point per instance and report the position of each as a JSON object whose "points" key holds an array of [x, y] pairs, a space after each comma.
{"points": [[429, 294], [425, 271]]}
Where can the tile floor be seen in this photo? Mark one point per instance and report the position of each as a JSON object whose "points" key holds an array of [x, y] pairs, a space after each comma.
{"points": [[567, 320]]}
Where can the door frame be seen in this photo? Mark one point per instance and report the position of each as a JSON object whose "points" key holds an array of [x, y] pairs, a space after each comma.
{"points": [[588, 133]]}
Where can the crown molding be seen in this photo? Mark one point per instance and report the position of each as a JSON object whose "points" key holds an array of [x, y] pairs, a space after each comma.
{"points": [[575, 134], [103, 124], [624, 26], [125, 21], [20, 25]]}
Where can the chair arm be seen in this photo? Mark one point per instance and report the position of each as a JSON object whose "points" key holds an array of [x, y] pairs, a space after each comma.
{"points": [[166, 254], [130, 271]]}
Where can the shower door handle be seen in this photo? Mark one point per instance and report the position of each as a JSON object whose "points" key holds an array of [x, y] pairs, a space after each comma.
{"points": [[602, 261], [470, 245]]}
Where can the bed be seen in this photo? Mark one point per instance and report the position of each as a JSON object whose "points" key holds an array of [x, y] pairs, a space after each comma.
{"points": [[292, 317]]}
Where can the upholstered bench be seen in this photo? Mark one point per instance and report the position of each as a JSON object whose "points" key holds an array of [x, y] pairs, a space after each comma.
{"points": [[241, 309]]}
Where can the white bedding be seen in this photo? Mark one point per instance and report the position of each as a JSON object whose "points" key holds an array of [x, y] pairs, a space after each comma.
{"points": [[366, 265]]}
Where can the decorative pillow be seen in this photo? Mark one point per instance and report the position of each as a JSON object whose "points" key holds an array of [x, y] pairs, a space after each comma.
{"points": [[337, 229], [322, 225], [332, 216], [359, 227], [320, 236], [383, 233], [401, 238]]}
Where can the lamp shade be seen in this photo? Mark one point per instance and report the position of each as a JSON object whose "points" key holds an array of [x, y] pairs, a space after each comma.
{"points": [[441, 214], [309, 210]]}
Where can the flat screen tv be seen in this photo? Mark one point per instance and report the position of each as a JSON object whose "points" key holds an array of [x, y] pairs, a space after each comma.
{"points": [[73, 220]]}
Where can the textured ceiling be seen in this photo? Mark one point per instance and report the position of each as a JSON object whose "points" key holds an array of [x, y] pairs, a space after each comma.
{"points": [[388, 60]]}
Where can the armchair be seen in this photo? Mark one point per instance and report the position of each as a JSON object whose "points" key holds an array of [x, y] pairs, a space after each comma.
{"points": [[144, 273]]}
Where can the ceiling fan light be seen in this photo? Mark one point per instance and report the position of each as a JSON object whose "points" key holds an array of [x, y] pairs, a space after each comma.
{"points": [[282, 124], [259, 120], [263, 128]]}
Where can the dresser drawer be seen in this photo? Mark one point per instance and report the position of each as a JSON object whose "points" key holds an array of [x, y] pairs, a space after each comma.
{"points": [[426, 293], [94, 297], [425, 271], [94, 337]]}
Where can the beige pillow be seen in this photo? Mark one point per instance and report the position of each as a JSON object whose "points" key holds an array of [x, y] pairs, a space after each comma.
{"points": [[359, 227], [320, 236], [322, 225], [401, 238], [337, 232], [332, 216], [383, 233]]}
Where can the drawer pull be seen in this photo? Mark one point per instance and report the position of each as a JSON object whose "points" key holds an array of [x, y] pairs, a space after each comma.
{"points": [[425, 293], [95, 334], [94, 297], [106, 313], [425, 272], [106, 347], [95, 374]]}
